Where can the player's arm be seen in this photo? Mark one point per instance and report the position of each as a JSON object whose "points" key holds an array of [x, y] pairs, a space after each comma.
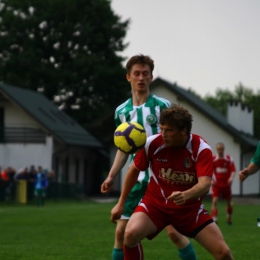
{"points": [[232, 170], [118, 164], [130, 180], [250, 170], [198, 190], [204, 169], [231, 178]]}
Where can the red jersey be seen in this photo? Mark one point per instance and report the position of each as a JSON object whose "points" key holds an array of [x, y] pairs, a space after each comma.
{"points": [[223, 167], [4, 176], [174, 169]]}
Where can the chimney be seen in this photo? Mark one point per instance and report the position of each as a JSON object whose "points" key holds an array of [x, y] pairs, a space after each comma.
{"points": [[240, 116]]}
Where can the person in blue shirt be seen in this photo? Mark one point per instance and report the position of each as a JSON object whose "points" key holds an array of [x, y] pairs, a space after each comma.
{"points": [[40, 185]]}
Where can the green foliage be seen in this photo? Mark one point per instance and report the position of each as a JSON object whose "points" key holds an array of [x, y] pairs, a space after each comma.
{"points": [[82, 230], [220, 101], [68, 49]]}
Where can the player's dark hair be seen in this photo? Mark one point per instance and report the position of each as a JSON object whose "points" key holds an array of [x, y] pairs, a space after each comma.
{"points": [[177, 116], [139, 59]]}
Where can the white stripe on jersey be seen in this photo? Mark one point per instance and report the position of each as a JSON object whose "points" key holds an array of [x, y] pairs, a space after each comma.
{"points": [[165, 101], [122, 105], [151, 173], [148, 142], [122, 118], [203, 145]]}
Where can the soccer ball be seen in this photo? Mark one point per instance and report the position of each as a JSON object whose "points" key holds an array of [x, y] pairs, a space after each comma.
{"points": [[129, 137]]}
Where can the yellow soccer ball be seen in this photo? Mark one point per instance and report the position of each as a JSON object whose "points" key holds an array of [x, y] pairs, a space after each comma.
{"points": [[130, 137]]}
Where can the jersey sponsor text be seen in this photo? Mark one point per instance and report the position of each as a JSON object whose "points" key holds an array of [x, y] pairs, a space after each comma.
{"points": [[184, 178]]}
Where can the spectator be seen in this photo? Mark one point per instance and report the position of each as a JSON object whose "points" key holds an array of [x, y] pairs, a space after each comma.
{"points": [[41, 184], [22, 174], [32, 173], [5, 179]]}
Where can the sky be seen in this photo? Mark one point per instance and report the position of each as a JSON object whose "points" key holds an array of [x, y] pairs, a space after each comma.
{"points": [[203, 45]]}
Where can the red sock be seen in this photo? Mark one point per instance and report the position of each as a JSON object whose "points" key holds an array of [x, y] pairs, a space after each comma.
{"points": [[214, 213], [135, 252], [229, 211]]}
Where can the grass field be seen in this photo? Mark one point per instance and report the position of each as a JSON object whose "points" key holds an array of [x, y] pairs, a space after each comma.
{"points": [[81, 230]]}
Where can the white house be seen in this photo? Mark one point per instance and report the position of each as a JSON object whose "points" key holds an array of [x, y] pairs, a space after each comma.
{"points": [[236, 131], [33, 131]]}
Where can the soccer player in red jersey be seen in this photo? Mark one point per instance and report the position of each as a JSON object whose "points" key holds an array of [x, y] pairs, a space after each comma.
{"points": [[181, 170], [224, 172]]}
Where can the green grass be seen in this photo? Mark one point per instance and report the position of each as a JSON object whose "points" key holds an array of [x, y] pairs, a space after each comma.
{"points": [[82, 230]]}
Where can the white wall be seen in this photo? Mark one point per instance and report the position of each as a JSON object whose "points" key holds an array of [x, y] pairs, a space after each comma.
{"points": [[22, 155], [241, 117]]}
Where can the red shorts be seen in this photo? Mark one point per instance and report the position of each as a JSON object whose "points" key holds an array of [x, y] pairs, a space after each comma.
{"points": [[188, 222], [224, 192]]}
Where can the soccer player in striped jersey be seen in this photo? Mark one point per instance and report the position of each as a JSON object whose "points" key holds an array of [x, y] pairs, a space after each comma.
{"points": [[251, 169], [143, 108], [223, 175], [181, 170]]}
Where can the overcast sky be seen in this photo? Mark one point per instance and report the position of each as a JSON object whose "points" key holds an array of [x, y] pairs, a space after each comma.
{"points": [[202, 44]]}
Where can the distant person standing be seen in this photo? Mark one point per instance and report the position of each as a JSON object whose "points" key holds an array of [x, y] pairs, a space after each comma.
{"points": [[224, 172], [41, 183], [32, 173], [5, 179]]}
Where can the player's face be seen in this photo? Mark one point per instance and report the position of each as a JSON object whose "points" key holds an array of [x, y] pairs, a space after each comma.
{"points": [[220, 150], [172, 136], [140, 77]]}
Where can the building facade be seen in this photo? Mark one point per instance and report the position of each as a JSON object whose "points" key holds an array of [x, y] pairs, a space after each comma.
{"points": [[33, 131]]}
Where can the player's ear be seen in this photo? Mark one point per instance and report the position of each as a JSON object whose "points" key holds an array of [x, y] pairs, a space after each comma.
{"points": [[127, 77], [184, 131]]}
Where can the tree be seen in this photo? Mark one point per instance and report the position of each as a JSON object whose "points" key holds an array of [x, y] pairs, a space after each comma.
{"points": [[242, 93], [68, 49]]}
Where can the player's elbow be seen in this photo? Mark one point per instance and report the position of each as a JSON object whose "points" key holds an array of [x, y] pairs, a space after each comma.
{"points": [[205, 185], [206, 189]]}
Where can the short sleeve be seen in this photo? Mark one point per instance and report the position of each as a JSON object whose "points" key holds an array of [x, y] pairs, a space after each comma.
{"points": [[141, 160], [204, 164], [256, 158]]}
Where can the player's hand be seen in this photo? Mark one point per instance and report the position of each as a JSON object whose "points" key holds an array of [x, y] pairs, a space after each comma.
{"points": [[177, 197], [243, 174], [229, 182], [107, 185], [116, 213]]}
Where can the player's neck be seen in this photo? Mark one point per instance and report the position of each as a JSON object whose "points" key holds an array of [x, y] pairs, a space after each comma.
{"points": [[139, 98]]}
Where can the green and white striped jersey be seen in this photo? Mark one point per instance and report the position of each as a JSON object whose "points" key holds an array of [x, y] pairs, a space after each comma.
{"points": [[146, 115], [256, 158]]}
